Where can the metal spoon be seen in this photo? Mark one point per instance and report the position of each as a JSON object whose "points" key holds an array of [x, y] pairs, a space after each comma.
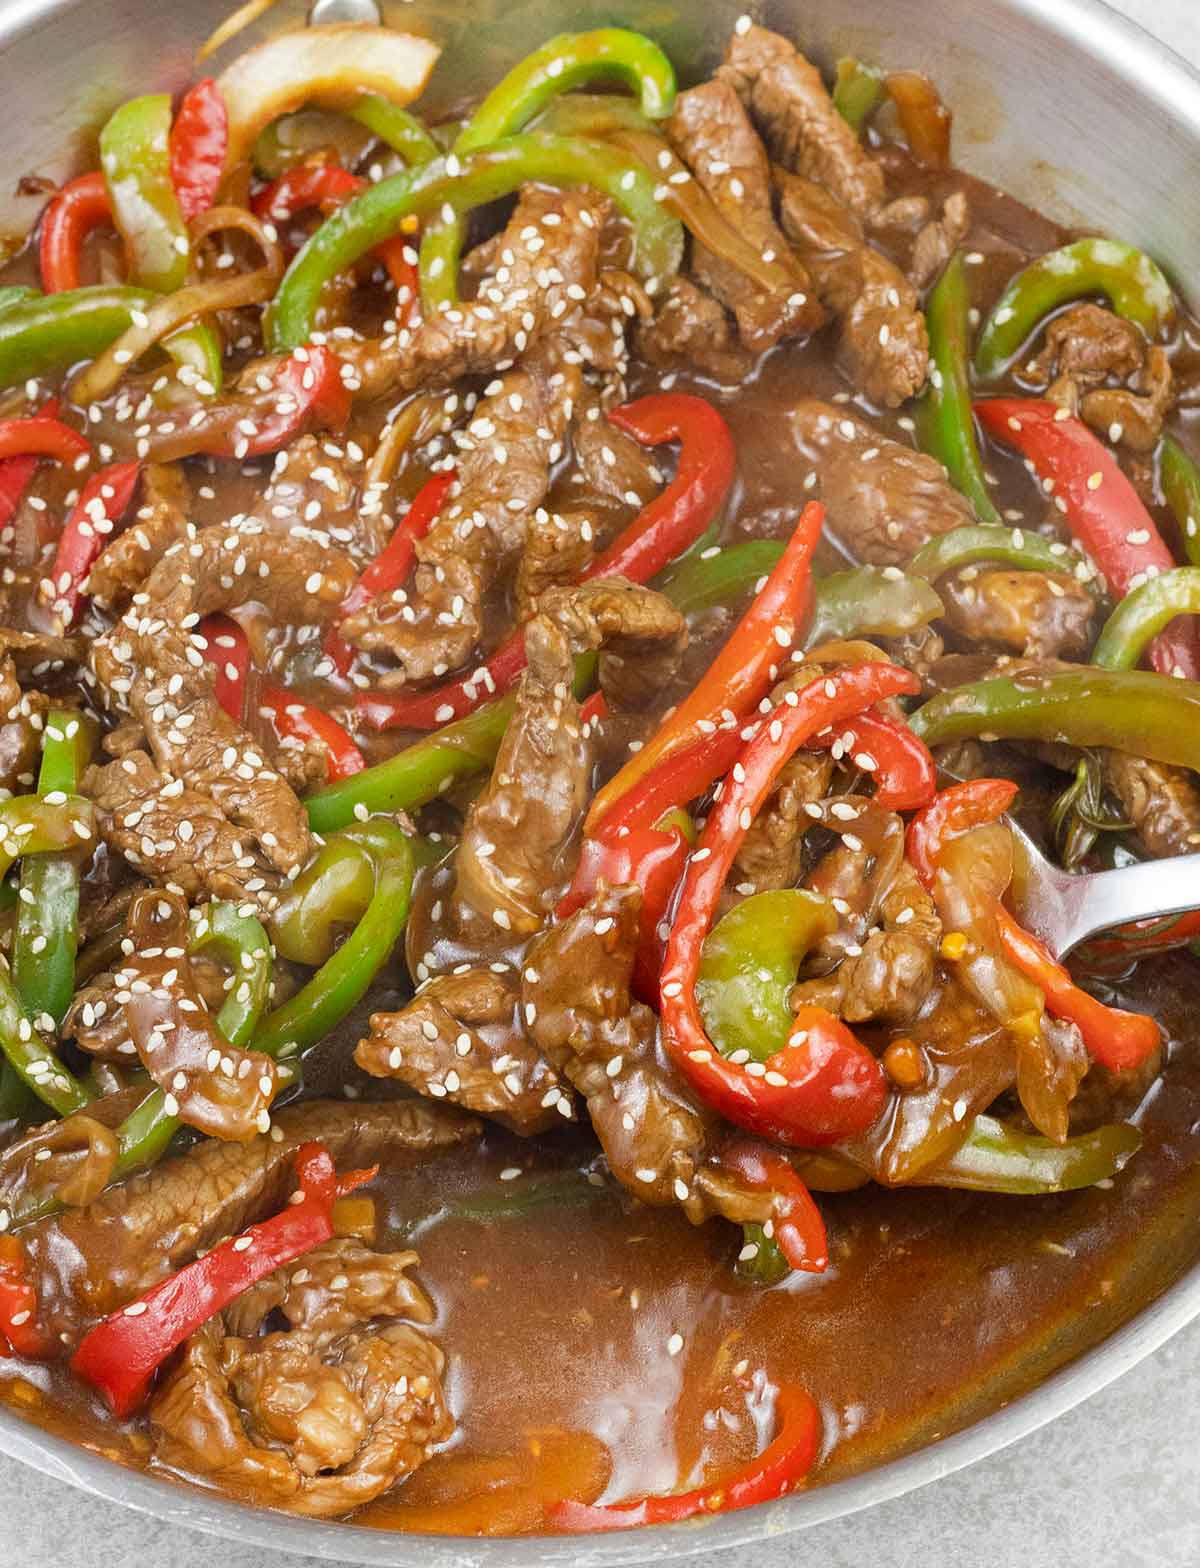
{"points": [[1064, 909]]}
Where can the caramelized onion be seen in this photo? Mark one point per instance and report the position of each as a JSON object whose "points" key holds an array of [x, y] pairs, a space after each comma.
{"points": [[923, 116], [233, 24], [103, 375]]}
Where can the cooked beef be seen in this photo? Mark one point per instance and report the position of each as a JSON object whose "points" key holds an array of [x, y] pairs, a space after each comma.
{"points": [[710, 130], [460, 1039], [640, 635], [1162, 802], [883, 345], [884, 500], [1042, 614], [795, 115], [504, 462], [772, 852], [938, 240], [659, 1140], [325, 1415], [95, 1019], [611, 470], [312, 486], [543, 283], [22, 717], [886, 944], [690, 328], [917, 650], [88, 1262], [160, 521], [1051, 1065], [1101, 367], [559, 547]]}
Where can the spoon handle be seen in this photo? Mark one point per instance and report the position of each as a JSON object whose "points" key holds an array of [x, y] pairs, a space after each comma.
{"points": [[1112, 898]]}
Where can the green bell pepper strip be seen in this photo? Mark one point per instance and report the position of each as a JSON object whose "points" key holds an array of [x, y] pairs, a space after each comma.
{"points": [[399, 128], [1180, 478], [1133, 283], [494, 171], [870, 601], [766, 1264], [1149, 715], [332, 893], [749, 965], [995, 1157], [591, 114], [44, 333], [46, 936], [135, 156], [30, 825], [1008, 546], [424, 771], [14, 293], [715, 575], [945, 423], [342, 981], [1142, 614], [858, 90], [609, 53], [32, 1059], [242, 943]]}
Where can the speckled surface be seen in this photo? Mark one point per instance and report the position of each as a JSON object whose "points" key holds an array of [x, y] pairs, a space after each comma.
{"points": [[1115, 1482]]}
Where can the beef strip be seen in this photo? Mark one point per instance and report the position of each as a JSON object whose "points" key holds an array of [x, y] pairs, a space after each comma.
{"points": [[504, 462], [772, 852], [312, 486], [884, 500], [1042, 614], [883, 344], [639, 633], [611, 471], [885, 947], [1162, 802], [88, 1262], [22, 717], [659, 1140], [543, 283], [938, 240], [1101, 367], [325, 1415], [795, 115], [460, 1039], [690, 328], [711, 131], [559, 547], [160, 521]]}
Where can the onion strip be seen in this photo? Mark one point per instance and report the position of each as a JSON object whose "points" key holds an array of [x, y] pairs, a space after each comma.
{"points": [[233, 24], [101, 378]]}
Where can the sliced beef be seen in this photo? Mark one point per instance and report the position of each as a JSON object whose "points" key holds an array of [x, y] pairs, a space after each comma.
{"points": [[1162, 802], [160, 521], [612, 472], [325, 1415], [658, 1139], [690, 328], [559, 547], [504, 462], [883, 344], [1043, 614], [543, 282], [640, 635], [795, 115], [885, 947], [460, 1039], [1101, 367], [22, 717], [938, 240], [312, 486], [711, 131], [88, 1262], [884, 500], [772, 852]]}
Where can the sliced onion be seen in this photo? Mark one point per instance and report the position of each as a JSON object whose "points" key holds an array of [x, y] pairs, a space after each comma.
{"points": [[330, 66], [923, 116], [233, 25], [99, 379]]}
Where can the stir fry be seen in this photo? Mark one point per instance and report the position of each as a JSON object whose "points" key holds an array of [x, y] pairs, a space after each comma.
{"points": [[524, 635]]}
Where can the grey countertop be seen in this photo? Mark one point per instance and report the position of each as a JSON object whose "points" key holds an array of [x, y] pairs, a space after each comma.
{"points": [[1117, 1481]]}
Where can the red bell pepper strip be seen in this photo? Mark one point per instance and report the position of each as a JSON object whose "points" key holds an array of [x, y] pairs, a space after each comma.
{"points": [[1103, 510], [662, 530], [79, 207], [19, 1303], [823, 1085], [308, 393], [390, 568], [229, 651], [1117, 1039], [17, 472], [742, 673], [294, 717], [121, 1355], [328, 185], [38, 435], [199, 144], [102, 503], [797, 1223], [779, 1469], [899, 762], [955, 811]]}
